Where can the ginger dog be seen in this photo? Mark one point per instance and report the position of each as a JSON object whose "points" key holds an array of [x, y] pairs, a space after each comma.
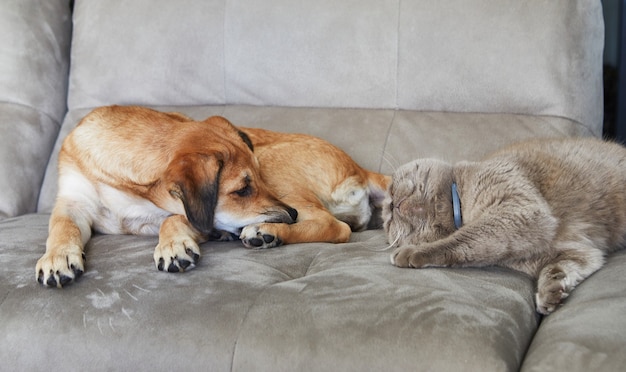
{"points": [[133, 170]]}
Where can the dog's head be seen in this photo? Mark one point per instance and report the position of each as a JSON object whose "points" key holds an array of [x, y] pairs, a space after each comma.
{"points": [[217, 178]]}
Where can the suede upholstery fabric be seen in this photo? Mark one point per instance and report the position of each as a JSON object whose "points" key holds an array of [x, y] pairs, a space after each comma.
{"points": [[299, 307], [386, 81], [588, 333], [419, 55], [525, 54], [34, 63]]}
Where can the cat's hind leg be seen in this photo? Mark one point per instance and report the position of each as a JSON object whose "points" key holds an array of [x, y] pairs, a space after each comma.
{"points": [[574, 262]]}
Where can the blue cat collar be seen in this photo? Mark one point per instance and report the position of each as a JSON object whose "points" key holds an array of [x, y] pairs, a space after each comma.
{"points": [[456, 207]]}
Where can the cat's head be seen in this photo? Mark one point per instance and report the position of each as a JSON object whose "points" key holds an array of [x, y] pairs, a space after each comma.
{"points": [[418, 206]]}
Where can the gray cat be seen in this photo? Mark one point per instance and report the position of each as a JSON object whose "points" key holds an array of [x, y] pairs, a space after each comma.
{"points": [[549, 208]]}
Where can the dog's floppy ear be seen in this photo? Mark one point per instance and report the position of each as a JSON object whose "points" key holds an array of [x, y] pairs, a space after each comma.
{"points": [[194, 179], [246, 139]]}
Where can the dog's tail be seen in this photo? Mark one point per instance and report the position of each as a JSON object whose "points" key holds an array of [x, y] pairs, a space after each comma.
{"points": [[377, 184]]}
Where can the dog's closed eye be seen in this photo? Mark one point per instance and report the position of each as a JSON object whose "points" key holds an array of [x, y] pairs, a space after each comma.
{"points": [[244, 191]]}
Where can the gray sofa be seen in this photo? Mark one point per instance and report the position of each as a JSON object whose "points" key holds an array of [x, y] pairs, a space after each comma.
{"points": [[387, 81]]}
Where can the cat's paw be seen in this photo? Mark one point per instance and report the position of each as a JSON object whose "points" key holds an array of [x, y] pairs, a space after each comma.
{"points": [[408, 257], [552, 289]]}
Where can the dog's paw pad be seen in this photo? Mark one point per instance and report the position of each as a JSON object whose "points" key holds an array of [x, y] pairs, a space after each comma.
{"points": [[260, 241], [176, 256], [253, 237]]}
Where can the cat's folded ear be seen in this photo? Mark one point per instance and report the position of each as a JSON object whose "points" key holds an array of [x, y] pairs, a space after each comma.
{"points": [[194, 179]]}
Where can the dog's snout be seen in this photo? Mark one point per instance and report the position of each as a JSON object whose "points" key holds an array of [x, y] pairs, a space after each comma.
{"points": [[292, 213]]}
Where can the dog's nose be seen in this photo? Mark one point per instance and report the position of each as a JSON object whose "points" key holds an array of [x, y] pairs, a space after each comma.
{"points": [[292, 213]]}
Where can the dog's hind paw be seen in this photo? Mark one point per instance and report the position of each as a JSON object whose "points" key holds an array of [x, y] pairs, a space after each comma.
{"points": [[176, 255], [222, 236], [60, 269], [254, 236]]}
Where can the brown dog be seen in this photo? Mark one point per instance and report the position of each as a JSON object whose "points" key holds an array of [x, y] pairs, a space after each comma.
{"points": [[132, 170]]}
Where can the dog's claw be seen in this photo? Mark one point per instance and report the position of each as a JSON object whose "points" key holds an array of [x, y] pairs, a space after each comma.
{"points": [[173, 268], [179, 264], [63, 280], [77, 272], [194, 256], [51, 282]]}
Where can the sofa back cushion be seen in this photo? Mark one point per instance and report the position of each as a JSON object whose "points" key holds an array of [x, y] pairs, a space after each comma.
{"points": [[34, 65], [539, 57]]}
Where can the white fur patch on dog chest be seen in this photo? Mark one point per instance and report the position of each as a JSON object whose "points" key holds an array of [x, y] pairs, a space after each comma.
{"points": [[122, 213]]}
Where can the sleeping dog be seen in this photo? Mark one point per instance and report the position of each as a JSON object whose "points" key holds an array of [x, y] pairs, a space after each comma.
{"points": [[133, 170]]}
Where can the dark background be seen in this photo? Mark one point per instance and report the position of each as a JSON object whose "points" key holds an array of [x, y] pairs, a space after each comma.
{"points": [[615, 70]]}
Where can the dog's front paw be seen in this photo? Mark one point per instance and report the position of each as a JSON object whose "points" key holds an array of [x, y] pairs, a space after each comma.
{"points": [[176, 254], [60, 266], [255, 236]]}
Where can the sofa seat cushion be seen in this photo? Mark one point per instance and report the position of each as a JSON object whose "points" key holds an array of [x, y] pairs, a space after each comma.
{"points": [[298, 307], [588, 333]]}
